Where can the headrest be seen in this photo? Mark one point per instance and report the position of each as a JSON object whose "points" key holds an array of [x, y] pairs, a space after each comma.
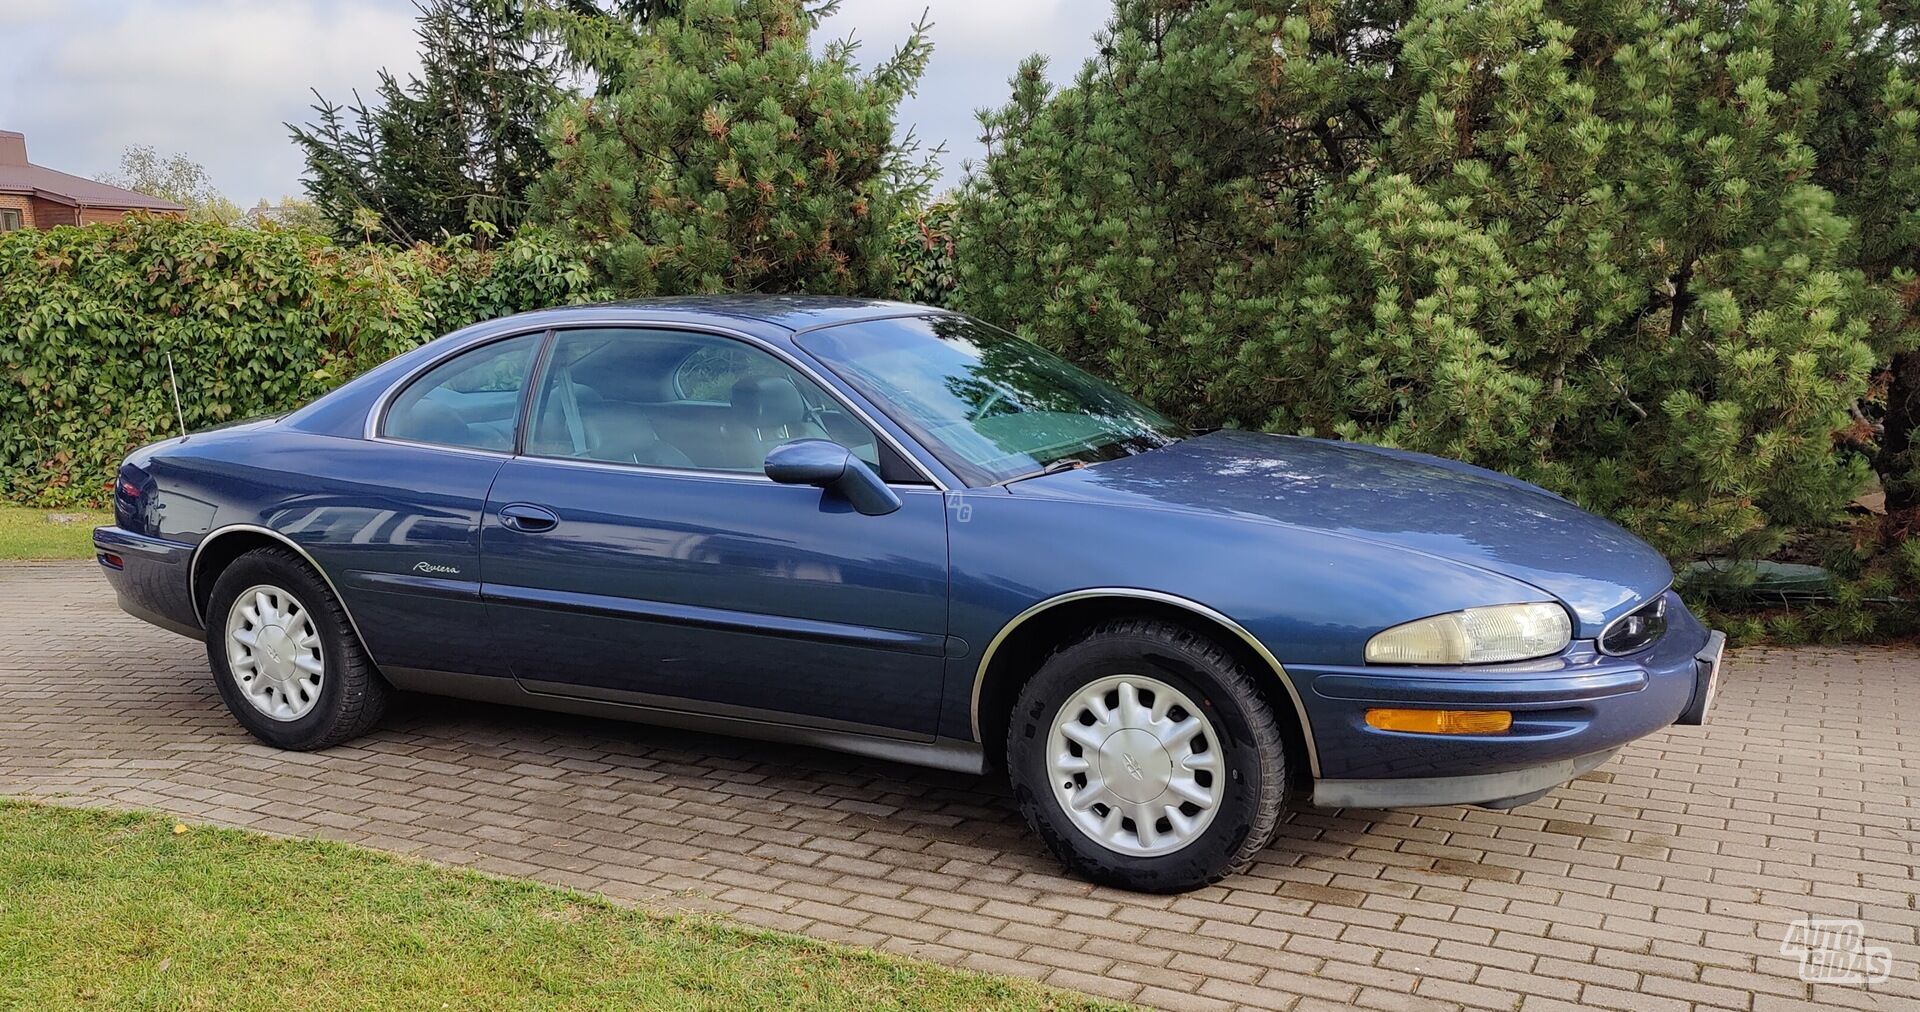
{"points": [[765, 402], [616, 430]]}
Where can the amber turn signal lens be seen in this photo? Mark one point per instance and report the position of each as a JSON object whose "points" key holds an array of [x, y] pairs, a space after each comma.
{"points": [[1441, 721]]}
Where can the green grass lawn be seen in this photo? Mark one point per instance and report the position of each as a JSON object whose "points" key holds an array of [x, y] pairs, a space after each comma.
{"points": [[28, 534], [116, 910]]}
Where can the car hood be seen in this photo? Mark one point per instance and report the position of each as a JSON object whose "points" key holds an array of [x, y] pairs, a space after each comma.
{"points": [[1410, 501]]}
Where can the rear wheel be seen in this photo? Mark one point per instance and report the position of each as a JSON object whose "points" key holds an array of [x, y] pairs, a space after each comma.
{"points": [[1146, 757], [286, 660]]}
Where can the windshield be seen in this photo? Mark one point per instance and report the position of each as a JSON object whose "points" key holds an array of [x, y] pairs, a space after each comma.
{"points": [[991, 406]]}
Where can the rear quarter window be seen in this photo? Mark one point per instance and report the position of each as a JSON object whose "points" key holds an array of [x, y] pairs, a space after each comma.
{"points": [[471, 400]]}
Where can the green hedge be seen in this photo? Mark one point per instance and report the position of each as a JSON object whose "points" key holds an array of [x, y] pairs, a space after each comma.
{"points": [[255, 321]]}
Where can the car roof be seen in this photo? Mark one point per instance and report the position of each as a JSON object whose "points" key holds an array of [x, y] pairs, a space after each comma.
{"points": [[788, 312]]}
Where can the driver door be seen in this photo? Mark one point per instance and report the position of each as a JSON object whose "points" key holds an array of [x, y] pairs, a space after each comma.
{"points": [[637, 553]]}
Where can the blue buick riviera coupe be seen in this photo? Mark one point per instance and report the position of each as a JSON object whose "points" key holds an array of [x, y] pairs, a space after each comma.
{"points": [[901, 532]]}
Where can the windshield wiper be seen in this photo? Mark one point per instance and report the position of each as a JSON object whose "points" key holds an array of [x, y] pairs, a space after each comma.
{"points": [[1063, 464]]}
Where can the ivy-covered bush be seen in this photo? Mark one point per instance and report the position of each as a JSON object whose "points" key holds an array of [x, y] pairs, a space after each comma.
{"points": [[255, 322], [924, 244]]}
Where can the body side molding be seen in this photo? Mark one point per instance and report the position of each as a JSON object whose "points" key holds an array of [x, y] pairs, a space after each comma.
{"points": [[1160, 597], [938, 753]]}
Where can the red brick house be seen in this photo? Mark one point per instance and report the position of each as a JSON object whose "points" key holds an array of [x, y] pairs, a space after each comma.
{"points": [[34, 196]]}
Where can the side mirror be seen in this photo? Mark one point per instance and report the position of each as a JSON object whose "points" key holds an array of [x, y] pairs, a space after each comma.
{"points": [[826, 464]]}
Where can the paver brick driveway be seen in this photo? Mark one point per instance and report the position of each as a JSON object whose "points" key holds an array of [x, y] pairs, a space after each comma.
{"points": [[1663, 879]]}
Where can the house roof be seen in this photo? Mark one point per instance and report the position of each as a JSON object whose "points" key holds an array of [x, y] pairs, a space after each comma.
{"points": [[17, 175]]}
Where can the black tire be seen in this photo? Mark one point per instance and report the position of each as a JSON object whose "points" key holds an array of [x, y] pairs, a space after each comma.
{"points": [[352, 694], [1254, 754]]}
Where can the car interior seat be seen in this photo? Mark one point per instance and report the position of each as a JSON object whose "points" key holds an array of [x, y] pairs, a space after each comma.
{"points": [[575, 421], [767, 411], [623, 432]]}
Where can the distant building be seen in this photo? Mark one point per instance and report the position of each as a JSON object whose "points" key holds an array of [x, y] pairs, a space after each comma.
{"points": [[34, 196]]}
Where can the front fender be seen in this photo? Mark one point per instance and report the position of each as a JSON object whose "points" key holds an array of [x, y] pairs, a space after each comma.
{"points": [[1305, 596]]}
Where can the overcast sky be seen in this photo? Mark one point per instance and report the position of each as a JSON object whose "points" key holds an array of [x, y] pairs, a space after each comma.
{"points": [[215, 79]]}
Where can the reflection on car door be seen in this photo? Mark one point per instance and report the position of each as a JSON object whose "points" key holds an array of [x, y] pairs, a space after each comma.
{"points": [[746, 597], [405, 556]]}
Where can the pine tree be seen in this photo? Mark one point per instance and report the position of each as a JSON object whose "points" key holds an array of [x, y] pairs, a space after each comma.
{"points": [[1143, 218], [1867, 136], [721, 154], [1586, 244], [457, 144]]}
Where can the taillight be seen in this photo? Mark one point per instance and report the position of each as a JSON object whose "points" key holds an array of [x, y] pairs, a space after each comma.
{"points": [[129, 503]]}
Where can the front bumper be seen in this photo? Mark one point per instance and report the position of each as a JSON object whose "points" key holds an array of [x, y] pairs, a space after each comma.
{"points": [[1499, 790], [1570, 713]]}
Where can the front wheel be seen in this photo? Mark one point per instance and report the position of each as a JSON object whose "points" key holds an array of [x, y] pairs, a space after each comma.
{"points": [[286, 660], [1146, 758]]}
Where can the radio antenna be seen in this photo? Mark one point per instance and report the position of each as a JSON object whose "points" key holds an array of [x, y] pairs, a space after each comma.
{"points": [[178, 412]]}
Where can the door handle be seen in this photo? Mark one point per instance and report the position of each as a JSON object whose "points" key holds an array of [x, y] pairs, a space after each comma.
{"points": [[528, 518]]}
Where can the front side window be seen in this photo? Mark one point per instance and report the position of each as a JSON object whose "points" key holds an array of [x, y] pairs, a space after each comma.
{"points": [[679, 399], [471, 400], [9, 219], [991, 406]]}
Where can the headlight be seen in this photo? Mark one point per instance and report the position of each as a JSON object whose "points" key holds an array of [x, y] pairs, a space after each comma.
{"points": [[1505, 632]]}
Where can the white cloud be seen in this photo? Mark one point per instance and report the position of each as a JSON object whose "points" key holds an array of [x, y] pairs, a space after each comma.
{"points": [[14, 13], [999, 28], [215, 80], [977, 45]]}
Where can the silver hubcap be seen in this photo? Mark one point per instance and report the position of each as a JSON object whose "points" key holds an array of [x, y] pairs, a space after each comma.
{"points": [[273, 651], [1136, 766]]}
